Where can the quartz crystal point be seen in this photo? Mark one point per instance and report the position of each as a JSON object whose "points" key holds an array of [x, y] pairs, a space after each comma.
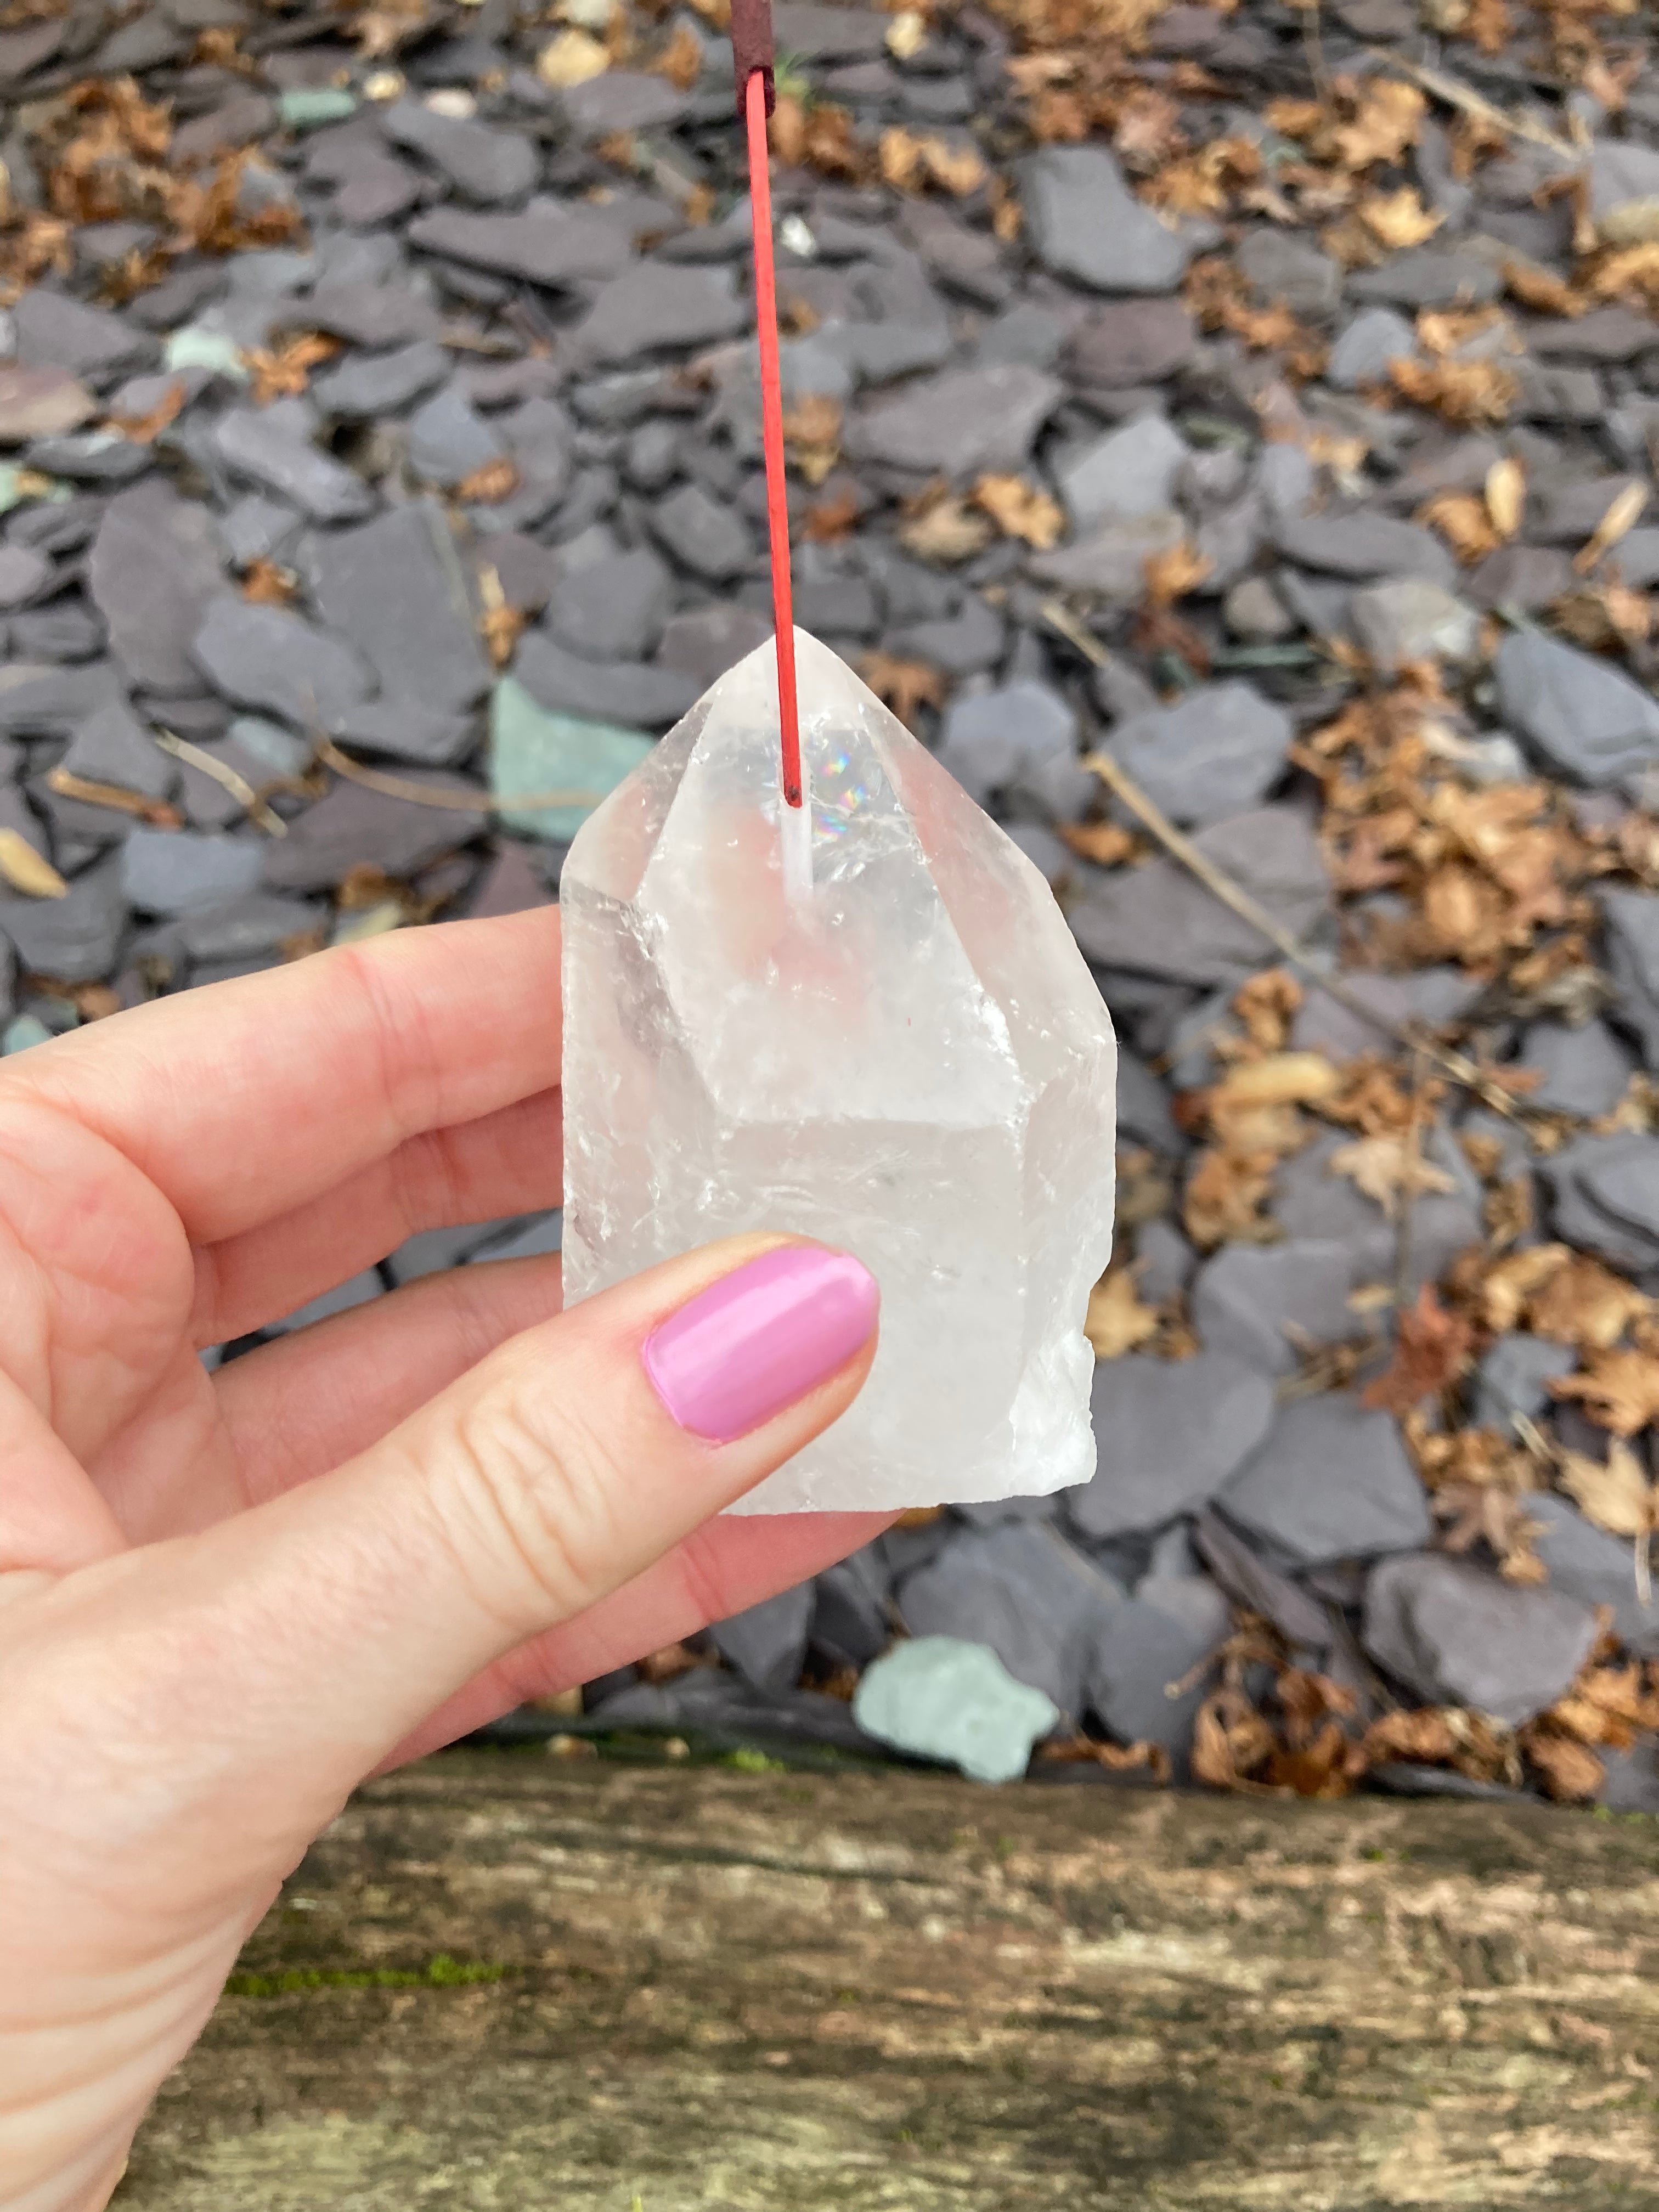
{"points": [[906, 1057]]}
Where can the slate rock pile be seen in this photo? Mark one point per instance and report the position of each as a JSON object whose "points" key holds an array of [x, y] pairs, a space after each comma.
{"points": [[378, 416]]}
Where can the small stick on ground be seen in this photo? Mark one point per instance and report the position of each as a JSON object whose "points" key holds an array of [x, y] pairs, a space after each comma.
{"points": [[1410, 1152], [1458, 94]]}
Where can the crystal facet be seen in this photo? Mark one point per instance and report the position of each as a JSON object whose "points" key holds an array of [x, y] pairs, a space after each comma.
{"points": [[884, 1038]]}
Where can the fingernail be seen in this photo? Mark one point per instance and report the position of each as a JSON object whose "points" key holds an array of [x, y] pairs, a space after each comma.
{"points": [[759, 1338]]}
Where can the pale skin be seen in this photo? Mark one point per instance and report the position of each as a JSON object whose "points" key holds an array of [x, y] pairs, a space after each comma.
{"points": [[225, 1599]]}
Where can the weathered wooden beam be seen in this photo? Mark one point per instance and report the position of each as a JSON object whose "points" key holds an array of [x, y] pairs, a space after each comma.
{"points": [[808, 1993]]}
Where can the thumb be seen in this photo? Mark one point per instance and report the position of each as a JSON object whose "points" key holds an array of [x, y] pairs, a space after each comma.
{"points": [[299, 1641]]}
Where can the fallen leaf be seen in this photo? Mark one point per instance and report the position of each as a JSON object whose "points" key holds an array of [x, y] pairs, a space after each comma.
{"points": [[812, 430], [1618, 1496], [1467, 392], [1398, 219], [1103, 843], [283, 371], [681, 60], [907, 34], [1506, 496], [1171, 574], [572, 59], [1541, 289], [1116, 1321], [1485, 1512], [1021, 510], [1624, 513], [819, 137], [1230, 1741], [1571, 1772], [28, 870], [1266, 1004], [1225, 1198], [904, 686], [1605, 616], [1424, 1737], [911, 163], [1282, 1078], [1463, 521], [269, 586], [1431, 1352], [945, 529], [1618, 1390], [830, 521], [500, 624], [496, 481], [1389, 1169], [1507, 1287], [1388, 119]]}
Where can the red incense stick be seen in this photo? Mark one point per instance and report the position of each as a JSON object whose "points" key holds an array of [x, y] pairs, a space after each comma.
{"points": [[756, 89]]}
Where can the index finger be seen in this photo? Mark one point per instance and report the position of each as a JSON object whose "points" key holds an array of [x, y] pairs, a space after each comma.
{"points": [[244, 1099]]}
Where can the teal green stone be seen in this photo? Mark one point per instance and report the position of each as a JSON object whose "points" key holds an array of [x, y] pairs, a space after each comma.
{"points": [[940, 1698], [531, 748], [195, 347], [305, 106], [18, 1035]]}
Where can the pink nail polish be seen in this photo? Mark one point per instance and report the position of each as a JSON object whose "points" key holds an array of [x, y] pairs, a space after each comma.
{"points": [[759, 1338]]}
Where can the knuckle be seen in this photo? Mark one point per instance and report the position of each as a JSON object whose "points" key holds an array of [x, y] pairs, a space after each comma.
{"points": [[532, 1501]]}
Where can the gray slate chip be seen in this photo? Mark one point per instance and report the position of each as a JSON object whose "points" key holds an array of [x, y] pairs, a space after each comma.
{"points": [[1139, 1651], [369, 315], [269, 656], [54, 331], [1331, 1482], [41, 403], [617, 691], [1212, 754], [389, 588], [1130, 472], [549, 243], [173, 870], [1128, 341], [351, 824], [380, 383], [1085, 224], [1365, 544], [1458, 1635], [963, 423], [75, 939], [701, 643], [153, 567], [1023, 1590], [1584, 717], [1632, 922], [1584, 1071], [1168, 1435], [704, 534], [1514, 1377], [613, 608], [242, 928], [112, 746], [272, 445], [1020, 740], [655, 306], [1371, 341], [1588, 1566], [1245, 1296], [767, 1642], [1157, 920], [1429, 276], [482, 163], [449, 441]]}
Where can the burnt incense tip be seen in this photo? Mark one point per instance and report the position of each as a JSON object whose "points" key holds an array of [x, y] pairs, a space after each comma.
{"points": [[752, 49]]}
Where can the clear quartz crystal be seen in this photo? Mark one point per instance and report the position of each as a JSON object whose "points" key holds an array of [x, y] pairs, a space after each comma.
{"points": [[904, 1056]]}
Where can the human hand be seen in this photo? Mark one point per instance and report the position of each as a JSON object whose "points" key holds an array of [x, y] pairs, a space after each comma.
{"points": [[226, 1599]]}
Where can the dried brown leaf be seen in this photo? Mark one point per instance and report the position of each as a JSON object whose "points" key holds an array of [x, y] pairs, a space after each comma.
{"points": [[488, 486], [905, 686], [572, 58], [1398, 219], [1117, 1320], [269, 586], [1103, 843], [1506, 496], [1619, 1388], [1577, 1301], [1467, 392], [1389, 1169], [1463, 521], [1226, 1197], [1617, 1496], [1021, 510], [283, 371], [27, 871], [946, 529], [1431, 1352], [1171, 574], [829, 521], [1571, 1772], [1624, 512]]}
